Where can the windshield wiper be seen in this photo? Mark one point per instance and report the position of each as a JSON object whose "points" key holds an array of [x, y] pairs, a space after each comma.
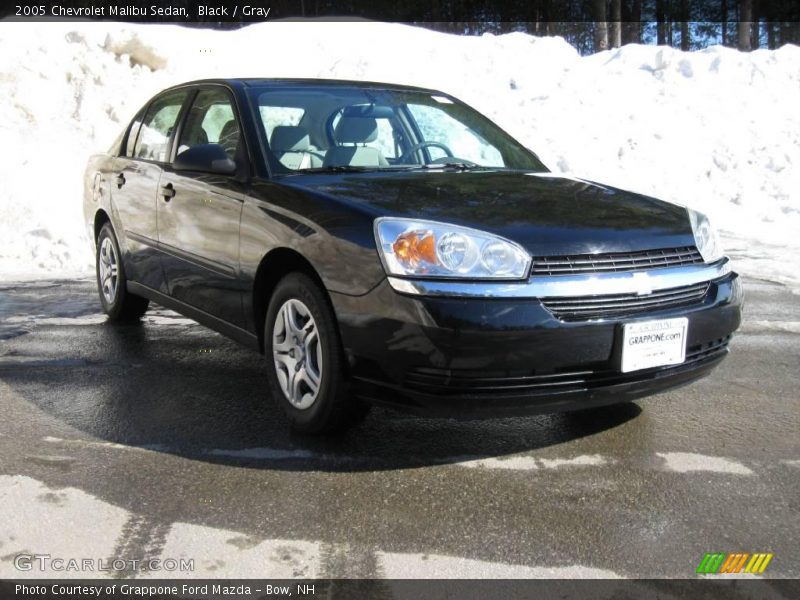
{"points": [[339, 169], [457, 165]]}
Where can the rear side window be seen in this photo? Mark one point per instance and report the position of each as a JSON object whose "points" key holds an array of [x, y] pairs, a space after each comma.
{"points": [[153, 140], [130, 142], [211, 120]]}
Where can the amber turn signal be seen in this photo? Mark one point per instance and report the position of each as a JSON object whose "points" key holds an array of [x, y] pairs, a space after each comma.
{"points": [[415, 247]]}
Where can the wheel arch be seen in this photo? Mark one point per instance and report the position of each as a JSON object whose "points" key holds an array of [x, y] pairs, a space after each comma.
{"points": [[100, 218], [276, 264]]}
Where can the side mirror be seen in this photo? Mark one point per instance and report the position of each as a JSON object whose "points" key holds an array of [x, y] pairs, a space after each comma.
{"points": [[207, 158]]}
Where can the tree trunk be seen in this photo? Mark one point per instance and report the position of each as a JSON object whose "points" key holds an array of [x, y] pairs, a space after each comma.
{"points": [[662, 28], [769, 23], [632, 22], [724, 21], [637, 21], [600, 26], [685, 41], [784, 33], [745, 24], [771, 34], [616, 24], [755, 30]]}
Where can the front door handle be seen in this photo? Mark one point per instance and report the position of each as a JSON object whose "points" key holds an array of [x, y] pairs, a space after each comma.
{"points": [[120, 180], [168, 192]]}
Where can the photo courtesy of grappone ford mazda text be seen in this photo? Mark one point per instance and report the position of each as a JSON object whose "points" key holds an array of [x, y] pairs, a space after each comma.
{"points": [[388, 244]]}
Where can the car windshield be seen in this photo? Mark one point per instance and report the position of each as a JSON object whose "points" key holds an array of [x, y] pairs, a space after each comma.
{"points": [[324, 128]]}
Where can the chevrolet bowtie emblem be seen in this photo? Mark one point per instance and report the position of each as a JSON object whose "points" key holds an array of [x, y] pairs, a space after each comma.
{"points": [[642, 283]]}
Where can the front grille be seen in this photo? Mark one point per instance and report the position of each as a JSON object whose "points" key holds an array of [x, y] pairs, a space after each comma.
{"points": [[475, 383], [608, 306], [618, 261]]}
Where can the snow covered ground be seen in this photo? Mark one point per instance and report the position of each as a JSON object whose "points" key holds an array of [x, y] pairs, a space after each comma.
{"points": [[716, 129]]}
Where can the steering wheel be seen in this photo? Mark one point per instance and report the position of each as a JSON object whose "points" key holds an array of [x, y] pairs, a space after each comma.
{"points": [[422, 145]]}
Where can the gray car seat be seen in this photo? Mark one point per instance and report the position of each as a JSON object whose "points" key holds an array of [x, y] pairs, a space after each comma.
{"points": [[291, 146], [229, 137], [352, 136], [194, 137]]}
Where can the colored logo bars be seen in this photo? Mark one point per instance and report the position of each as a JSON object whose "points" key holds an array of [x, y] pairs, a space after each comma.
{"points": [[716, 563]]}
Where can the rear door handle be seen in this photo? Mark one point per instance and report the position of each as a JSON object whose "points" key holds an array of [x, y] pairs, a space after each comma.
{"points": [[120, 180], [168, 192]]}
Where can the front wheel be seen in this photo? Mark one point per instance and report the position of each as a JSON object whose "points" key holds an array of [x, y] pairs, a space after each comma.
{"points": [[305, 365], [118, 303]]}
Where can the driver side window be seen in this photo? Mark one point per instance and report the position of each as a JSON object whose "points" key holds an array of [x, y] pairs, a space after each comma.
{"points": [[211, 120], [387, 140], [437, 126]]}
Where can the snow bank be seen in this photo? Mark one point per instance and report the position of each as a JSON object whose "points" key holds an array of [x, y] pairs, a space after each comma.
{"points": [[715, 129]]}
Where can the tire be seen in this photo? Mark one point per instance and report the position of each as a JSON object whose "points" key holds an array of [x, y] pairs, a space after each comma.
{"points": [[118, 303], [305, 362]]}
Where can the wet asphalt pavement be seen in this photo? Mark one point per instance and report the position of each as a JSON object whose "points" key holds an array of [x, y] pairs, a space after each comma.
{"points": [[158, 440]]}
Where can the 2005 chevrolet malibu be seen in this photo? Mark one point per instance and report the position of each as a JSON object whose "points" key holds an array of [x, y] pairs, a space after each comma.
{"points": [[388, 244]]}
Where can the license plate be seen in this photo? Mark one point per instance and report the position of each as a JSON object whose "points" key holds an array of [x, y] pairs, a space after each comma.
{"points": [[647, 344]]}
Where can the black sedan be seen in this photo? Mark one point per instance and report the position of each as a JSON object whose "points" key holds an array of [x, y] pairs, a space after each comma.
{"points": [[388, 244]]}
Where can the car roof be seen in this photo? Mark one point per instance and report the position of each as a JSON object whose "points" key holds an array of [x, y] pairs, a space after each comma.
{"points": [[241, 82]]}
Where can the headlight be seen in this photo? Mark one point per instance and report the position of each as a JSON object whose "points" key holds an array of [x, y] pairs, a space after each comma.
{"points": [[416, 248], [705, 237]]}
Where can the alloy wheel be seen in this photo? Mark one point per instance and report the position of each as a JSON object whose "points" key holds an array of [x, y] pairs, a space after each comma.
{"points": [[297, 353], [109, 270]]}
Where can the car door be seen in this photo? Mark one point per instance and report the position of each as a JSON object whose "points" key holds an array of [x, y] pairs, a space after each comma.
{"points": [[199, 213], [134, 187]]}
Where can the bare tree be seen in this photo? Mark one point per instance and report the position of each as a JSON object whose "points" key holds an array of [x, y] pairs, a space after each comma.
{"points": [[745, 24], [662, 25], [772, 40], [784, 33], [685, 18], [600, 26], [755, 33], [616, 24], [635, 35], [724, 20]]}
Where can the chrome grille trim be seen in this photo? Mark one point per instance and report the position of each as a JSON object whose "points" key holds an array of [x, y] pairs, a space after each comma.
{"points": [[619, 305], [561, 286], [615, 262]]}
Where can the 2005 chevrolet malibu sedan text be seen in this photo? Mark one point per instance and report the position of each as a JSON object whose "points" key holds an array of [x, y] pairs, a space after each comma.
{"points": [[388, 244]]}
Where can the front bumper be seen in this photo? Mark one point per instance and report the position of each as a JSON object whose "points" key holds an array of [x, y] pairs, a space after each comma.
{"points": [[485, 357]]}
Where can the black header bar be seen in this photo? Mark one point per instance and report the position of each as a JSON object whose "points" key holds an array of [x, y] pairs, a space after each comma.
{"points": [[234, 12], [708, 588]]}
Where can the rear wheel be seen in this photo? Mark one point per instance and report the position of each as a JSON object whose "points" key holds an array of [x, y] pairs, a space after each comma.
{"points": [[118, 303], [305, 363]]}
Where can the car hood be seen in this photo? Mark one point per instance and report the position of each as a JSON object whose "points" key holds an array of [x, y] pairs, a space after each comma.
{"points": [[545, 213]]}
